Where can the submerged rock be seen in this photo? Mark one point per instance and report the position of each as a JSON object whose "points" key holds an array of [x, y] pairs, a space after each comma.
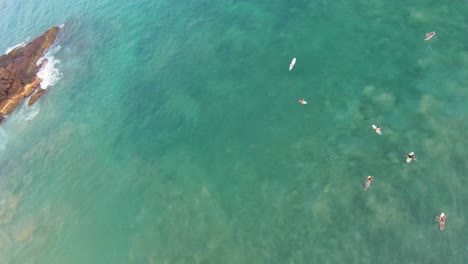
{"points": [[36, 96], [18, 72]]}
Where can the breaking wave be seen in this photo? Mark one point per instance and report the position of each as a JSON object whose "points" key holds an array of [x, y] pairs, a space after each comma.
{"points": [[49, 72]]}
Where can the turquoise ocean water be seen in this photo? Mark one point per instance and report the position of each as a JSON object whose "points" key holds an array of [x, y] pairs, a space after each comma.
{"points": [[173, 134]]}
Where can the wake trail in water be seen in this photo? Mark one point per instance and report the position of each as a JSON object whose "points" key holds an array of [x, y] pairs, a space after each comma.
{"points": [[28, 112], [3, 139]]}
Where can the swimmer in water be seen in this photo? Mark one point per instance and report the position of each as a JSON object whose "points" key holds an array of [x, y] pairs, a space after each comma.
{"points": [[302, 101], [442, 219], [410, 157], [368, 182]]}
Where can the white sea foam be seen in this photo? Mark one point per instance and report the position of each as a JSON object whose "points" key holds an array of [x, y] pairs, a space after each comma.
{"points": [[49, 72], [28, 112], [10, 49]]}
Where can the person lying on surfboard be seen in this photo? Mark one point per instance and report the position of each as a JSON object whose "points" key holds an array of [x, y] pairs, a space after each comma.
{"points": [[377, 129], [442, 218], [291, 65], [410, 157], [429, 35], [368, 182], [302, 101]]}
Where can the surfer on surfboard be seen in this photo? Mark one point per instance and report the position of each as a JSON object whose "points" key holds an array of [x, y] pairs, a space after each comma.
{"points": [[376, 129], [429, 35], [410, 156], [291, 65], [302, 101], [442, 218], [368, 182]]}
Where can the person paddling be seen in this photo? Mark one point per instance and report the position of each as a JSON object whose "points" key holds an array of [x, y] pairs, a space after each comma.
{"points": [[442, 219], [429, 35], [410, 156], [377, 129], [368, 182], [291, 65]]}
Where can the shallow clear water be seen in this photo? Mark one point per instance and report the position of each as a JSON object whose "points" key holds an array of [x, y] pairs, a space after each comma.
{"points": [[174, 134]]}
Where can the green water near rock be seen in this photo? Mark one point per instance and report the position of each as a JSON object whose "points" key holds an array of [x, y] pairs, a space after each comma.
{"points": [[174, 134]]}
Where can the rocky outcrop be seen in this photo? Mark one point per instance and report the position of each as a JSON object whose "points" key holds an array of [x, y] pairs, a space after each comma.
{"points": [[18, 72], [35, 96]]}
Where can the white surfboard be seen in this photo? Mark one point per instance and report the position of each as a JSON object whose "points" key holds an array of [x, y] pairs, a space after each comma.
{"points": [[375, 127], [291, 65], [302, 101]]}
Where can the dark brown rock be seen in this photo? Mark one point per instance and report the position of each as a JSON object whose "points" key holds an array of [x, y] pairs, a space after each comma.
{"points": [[4, 73], [18, 70], [35, 96]]}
